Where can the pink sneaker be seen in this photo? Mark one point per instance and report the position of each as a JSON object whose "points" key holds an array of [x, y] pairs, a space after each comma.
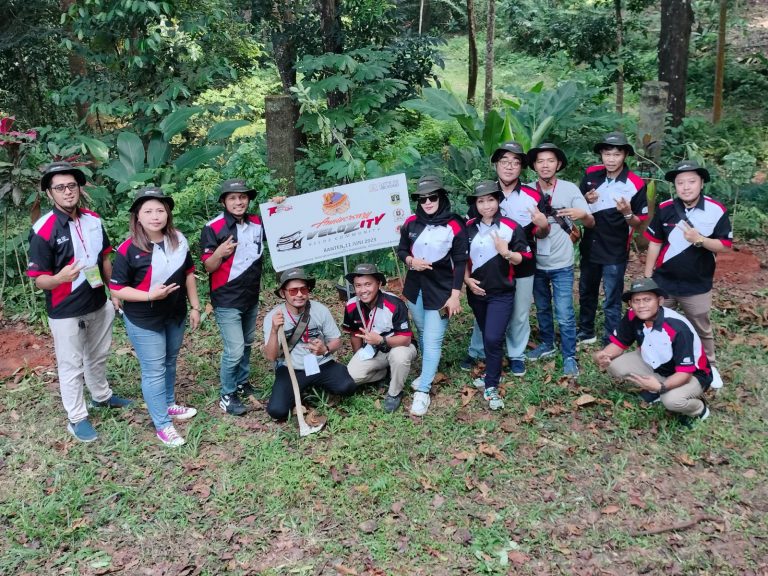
{"points": [[181, 412], [170, 437]]}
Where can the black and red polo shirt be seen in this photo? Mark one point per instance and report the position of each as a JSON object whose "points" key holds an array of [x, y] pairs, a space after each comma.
{"points": [[56, 241], [496, 274], [142, 270], [517, 206], [681, 268], [608, 241], [388, 317], [670, 345], [237, 281], [445, 246]]}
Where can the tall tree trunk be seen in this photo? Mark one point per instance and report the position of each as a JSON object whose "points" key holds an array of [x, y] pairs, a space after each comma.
{"points": [[489, 56], [619, 58], [77, 69], [472, 32], [717, 103], [333, 41], [674, 40]]}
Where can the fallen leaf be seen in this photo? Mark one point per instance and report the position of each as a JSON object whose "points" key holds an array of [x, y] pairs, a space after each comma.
{"points": [[685, 460], [465, 455], [202, 490], [466, 395], [517, 557], [751, 473], [437, 501], [439, 378], [462, 536], [636, 502], [341, 569], [492, 451], [397, 507], [484, 489], [369, 526], [336, 475], [530, 414], [315, 419], [585, 400], [612, 509]]}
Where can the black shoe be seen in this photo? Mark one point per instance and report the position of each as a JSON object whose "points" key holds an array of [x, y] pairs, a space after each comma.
{"points": [[245, 389], [231, 404], [690, 421], [468, 363], [584, 339], [392, 403], [650, 397]]}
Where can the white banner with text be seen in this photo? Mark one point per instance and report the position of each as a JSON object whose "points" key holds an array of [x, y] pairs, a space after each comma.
{"points": [[335, 222]]}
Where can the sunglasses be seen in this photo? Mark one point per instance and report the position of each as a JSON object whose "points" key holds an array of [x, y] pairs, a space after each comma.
{"points": [[431, 198], [301, 289]]}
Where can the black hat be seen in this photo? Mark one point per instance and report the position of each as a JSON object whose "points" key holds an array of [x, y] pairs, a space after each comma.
{"points": [[151, 193], [428, 185], [513, 147], [642, 285], [485, 188], [614, 140], [294, 274], [366, 270], [687, 166], [60, 168], [547, 147], [236, 185]]}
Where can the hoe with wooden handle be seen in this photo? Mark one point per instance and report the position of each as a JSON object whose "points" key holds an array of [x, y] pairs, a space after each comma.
{"points": [[304, 428]]}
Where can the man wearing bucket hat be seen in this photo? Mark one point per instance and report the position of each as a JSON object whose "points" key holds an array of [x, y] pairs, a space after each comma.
{"points": [[232, 246], [553, 281], [685, 234], [381, 335], [68, 250], [525, 206], [312, 336], [617, 199], [670, 364]]}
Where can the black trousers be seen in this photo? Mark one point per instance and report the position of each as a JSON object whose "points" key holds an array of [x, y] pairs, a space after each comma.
{"points": [[333, 378]]}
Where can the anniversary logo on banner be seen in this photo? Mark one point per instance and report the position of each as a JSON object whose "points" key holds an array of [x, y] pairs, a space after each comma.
{"points": [[335, 222]]}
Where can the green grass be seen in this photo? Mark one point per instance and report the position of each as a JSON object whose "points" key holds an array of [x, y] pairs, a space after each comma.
{"points": [[385, 494]]}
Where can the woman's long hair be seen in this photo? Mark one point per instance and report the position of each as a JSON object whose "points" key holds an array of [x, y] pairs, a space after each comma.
{"points": [[139, 235]]}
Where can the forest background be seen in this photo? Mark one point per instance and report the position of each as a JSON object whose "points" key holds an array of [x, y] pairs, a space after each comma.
{"points": [[572, 479]]}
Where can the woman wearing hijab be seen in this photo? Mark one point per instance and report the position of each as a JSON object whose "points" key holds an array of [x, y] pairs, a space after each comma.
{"points": [[433, 244]]}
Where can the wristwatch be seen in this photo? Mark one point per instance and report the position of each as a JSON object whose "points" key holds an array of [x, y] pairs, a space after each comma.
{"points": [[699, 243], [384, 347]]}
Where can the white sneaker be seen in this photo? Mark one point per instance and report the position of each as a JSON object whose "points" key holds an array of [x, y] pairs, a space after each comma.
{"points": [[479, 382], [170, 437], [494, 400], [181, 412], [421, 402], [717, 380]]}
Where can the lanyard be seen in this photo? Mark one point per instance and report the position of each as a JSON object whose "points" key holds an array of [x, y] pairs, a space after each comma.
{"points": [[79, 230], [367, 325], [305, 336], [551, 196]]}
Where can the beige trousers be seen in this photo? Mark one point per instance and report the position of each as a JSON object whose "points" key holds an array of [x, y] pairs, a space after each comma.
{"points": [[696, 310], [82, 345], [398, 359], [685, 399]]}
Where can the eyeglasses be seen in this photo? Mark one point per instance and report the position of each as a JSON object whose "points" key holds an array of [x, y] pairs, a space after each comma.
{"points": [[71, 186], [301, 289], [509, 163], [431, 198]]}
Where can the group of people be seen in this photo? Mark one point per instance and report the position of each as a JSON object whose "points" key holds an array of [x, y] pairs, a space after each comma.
{"points": [[513, 248]]}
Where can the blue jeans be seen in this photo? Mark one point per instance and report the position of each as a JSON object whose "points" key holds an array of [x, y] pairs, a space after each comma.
{"points": [[559, 283], [238, 329], [157, 352], [518, 329], [612, 276], [492, 314], [431, 330]]}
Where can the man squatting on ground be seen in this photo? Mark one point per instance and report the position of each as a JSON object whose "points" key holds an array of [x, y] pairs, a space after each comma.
{"points": [[232, 246], [617, 199], [380, 333], [68, 250], [312, 336], [685, 235], [670, 363]]}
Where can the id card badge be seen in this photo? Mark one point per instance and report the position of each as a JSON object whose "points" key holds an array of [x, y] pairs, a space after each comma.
{"points": [[93, 276], [543, 246], [367, 352], [311, 367]]}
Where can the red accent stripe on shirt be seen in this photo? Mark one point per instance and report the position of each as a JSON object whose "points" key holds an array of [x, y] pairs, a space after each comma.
{"points": [[636, 180], [616, 341], [455, 226], [595, 168], [669, 330]]}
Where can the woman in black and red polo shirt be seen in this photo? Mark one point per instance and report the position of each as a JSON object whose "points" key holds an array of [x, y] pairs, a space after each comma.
{"points": [[154, 276]]}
